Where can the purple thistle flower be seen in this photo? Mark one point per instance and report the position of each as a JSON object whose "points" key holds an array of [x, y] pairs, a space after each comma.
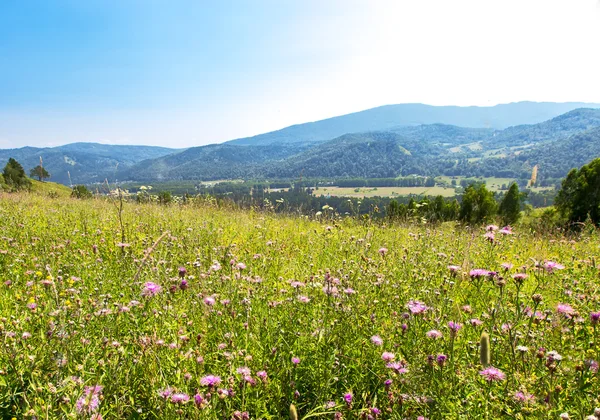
{"points": [[454, 327], [523, 397], [295, 360], [210, 381], [565, 309], [441, 359], [151, 289], [478, 273], [348, 398], [595, 317], [180, 398], [387, 356], [262, 374], [244, 371], [416, 307], [434, 334], [183, 285], [492, 374], [89, 402], [454, 269], [198, 399], [397, 367], [377, 340], [182, 272], [550, 266], [506, 230], [166, 393]]}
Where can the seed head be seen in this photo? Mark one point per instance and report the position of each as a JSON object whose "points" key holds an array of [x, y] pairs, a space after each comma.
{"points": [[484, 350], [293, 412]]}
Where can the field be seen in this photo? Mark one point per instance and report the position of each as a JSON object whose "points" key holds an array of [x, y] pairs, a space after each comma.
{"points": [[200, 312], [384, 191]]}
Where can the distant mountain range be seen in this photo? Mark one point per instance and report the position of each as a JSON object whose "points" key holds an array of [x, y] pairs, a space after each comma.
{"points": [[389, 141], [387, 117]]}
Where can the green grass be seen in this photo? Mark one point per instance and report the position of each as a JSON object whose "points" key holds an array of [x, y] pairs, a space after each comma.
{"points": [[50, 188], [260, 290]]}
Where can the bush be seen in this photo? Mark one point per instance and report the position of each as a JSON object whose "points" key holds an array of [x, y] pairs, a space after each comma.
{"points": [[81, 192]]}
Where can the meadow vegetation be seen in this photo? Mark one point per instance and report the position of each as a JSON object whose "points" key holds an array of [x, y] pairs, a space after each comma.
{"points": [[195, 311]]}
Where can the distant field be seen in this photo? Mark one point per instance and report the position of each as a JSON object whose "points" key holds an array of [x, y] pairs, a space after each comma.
{"points": [[492, 183], [384, 191]]}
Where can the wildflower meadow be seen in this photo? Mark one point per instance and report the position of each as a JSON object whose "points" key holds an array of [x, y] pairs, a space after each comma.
{"points": [[191, 311]]}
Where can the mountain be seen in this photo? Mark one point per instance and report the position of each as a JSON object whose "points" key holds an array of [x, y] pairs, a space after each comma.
{"points": [[388, 117], [365, 155], [212, 162], [443, 134], [381, 142], [557, 158], [563, 126], [85, 162]]}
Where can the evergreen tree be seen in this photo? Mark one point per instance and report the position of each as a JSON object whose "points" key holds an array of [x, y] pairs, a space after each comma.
{"points": [[510, 207], [14, 175]]}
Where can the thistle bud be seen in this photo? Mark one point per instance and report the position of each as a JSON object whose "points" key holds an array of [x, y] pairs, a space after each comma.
{"points": [[484, 349]]}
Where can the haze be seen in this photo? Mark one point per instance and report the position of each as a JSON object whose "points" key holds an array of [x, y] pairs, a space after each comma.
{"points": [[188, 73]]}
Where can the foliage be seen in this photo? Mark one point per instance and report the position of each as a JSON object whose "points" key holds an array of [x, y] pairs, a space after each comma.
{"points": [[326, 313], [579, 197], [14, 176], [81, 192], [39, 172], [477, 205]]}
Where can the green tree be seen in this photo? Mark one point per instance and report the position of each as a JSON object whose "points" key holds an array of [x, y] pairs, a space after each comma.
{"points": [[478, 204], [39, 172], [81, 191], [510, 207], [14, 175], [579, 196]]}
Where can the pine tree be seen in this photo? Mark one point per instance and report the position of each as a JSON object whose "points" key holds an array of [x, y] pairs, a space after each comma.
{"points": [[14, 175]]}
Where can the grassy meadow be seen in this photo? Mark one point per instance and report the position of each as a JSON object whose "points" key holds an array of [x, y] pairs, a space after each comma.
{"points": [[198, 312]]}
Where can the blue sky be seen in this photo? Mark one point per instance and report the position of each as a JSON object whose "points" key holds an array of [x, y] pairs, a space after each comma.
{"points": [[183, 73]]}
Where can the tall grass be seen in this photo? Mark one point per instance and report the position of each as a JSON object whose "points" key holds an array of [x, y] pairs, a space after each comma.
{"points": [[225, 314]]}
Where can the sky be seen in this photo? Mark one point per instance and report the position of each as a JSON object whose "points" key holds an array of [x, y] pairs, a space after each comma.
{"points": [[181, 73]]}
